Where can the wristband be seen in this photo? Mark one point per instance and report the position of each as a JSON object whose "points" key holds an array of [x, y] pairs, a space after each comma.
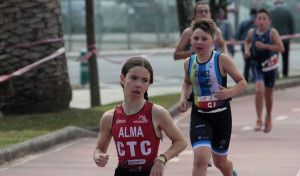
{"points": [[160, 160], [162, 155]]}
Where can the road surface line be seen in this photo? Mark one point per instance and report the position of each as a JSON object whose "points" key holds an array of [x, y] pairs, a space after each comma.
{"points": [[298, 174], [247, 128], [296, 110], [281, 117]]}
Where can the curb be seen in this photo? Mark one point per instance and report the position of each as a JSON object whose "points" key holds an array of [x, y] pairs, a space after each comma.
{"points": [[43, 142], [46, 141]]}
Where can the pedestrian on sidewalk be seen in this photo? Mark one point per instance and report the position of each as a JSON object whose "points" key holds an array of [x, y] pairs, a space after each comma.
{"points": [[283, 22], [265, 41], [136, 126], [241, 34], [211, 122], [184, 48]]}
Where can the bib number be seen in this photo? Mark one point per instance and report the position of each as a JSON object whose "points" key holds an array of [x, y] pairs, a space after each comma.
{"points": [[206, 102], [270, 64]]}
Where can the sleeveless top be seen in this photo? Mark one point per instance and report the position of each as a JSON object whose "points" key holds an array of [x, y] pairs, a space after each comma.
{"points": [[135, 138], [205, 78], [261, 54]]}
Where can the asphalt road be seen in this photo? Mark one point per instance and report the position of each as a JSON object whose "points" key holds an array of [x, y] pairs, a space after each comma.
{"points": [[253, 153], [168, 74]]}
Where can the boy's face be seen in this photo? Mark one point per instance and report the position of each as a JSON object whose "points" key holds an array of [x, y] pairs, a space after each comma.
{"points": [[201, 41], [262, 21]]}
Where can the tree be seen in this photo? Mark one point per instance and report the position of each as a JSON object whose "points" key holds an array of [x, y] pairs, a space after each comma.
{"points": [[185, 13], [45, 88], [93, 69]]}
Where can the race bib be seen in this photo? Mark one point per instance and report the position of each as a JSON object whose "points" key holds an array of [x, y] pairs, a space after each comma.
{"points": [[270, 64], [206, 102]]}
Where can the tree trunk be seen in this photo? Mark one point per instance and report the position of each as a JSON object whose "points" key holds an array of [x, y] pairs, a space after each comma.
{"points": [[45, 88], [93, 69], [185, 13]]}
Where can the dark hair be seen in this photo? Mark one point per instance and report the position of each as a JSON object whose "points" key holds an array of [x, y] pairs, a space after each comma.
{"points": [[138, 61], [263, 10], [200, 3], [207, 25], [253, 11]]}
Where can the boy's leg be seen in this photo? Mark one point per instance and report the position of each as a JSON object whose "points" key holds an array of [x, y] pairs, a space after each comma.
{"points": [[223, 164], [201, 159]]}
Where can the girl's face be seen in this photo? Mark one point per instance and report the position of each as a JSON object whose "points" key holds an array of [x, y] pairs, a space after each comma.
{"points": [[262, 21], [201, 41], [202, 11], [136, 82]]}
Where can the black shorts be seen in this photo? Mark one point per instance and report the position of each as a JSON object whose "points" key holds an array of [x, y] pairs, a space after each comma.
{"points": [[269, 77], [121, 171], [211, 129]]}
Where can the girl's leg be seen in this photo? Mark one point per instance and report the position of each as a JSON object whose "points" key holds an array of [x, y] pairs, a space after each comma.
{"points": [[201, 159], [223, 164]]}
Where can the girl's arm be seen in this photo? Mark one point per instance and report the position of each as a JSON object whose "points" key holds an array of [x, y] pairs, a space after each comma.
{"points": [[228, 67], [100, 156], [162, 121]]}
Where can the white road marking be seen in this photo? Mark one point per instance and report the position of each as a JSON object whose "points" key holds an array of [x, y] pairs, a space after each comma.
{"points": [[233, 135], [298, 174], [296, 110], [247, 128], [281, 117]]}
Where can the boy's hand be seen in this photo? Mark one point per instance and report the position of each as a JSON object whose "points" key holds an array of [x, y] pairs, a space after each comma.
{"points": [[260, 45], [222, 94], [247, 54], [182, 106]]}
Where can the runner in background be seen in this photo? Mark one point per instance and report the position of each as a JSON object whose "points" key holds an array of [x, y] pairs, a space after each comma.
{"points": [[184, 48], [136, 126], [241, 34], [265, 41], [211, 122]]}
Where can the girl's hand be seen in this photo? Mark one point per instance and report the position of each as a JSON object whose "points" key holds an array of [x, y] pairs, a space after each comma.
{"points": [[157, 169], [102, 159], [222, 94]]}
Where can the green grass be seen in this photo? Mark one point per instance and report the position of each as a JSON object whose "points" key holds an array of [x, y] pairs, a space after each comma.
{"points": [[18, 128]]}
